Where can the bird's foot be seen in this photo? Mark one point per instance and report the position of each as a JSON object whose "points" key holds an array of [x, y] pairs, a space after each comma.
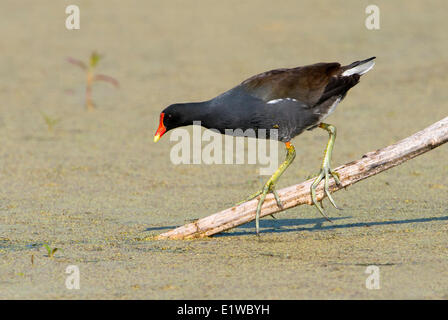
{"points": [[268, 187], [256, 194], [325, 173]]}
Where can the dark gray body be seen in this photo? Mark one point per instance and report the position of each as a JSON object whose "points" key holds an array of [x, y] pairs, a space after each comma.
{"points": [[235, 109], [282, 120]]}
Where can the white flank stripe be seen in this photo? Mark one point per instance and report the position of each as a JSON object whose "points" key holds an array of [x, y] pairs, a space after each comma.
{"points": [[280, 100]]}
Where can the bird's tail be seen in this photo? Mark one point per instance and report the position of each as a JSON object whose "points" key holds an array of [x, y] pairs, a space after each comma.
{"points": [[358, 67]]}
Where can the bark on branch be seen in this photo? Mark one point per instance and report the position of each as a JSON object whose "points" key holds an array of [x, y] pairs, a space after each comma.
{"points": [[370, 164]]}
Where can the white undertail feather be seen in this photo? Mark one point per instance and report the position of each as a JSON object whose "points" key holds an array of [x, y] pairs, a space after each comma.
{"points": [[360, 69]]}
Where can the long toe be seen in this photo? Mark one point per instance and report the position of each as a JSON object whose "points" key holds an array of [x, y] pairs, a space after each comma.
{"points": [[277, 199], [322, 212], [316, 182], [327, 190]]}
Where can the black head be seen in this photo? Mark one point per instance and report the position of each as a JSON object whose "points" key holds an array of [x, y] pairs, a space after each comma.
{"points": [[173, 116]]}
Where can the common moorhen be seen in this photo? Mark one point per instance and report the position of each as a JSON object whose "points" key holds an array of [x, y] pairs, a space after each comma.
{"points": [[290, 100]]}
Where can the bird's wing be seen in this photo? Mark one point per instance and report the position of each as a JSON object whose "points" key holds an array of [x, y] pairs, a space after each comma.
{"points": [[309, 84]]}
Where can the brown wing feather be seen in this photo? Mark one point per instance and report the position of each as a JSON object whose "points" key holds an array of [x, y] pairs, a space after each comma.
{"points": [[306, 84]]}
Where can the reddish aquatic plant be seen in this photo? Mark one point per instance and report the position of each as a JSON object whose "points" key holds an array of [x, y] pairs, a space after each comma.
{"points": [[91, 76]]}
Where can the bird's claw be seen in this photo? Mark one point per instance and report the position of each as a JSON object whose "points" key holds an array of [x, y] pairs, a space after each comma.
{"points": [[325, 174], [336, 177], [256, 194], [277, 198], [269, 187]]}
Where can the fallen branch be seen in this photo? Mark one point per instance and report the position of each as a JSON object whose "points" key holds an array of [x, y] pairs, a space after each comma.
{"points": [[350, 173]]}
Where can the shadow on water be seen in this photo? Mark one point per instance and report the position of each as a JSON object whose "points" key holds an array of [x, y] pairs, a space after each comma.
{"points": [[13, 246], [160, 228], [295, 225]]}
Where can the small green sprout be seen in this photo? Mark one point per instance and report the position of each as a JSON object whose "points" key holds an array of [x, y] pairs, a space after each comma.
{"points": [[51, 122], [50, 251], [91, 76]]}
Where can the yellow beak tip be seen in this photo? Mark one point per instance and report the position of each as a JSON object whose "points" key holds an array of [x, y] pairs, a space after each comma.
{"points": [[156, 138]]}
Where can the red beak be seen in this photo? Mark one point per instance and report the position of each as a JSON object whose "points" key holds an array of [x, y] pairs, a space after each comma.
{"points": [[161, 130]]}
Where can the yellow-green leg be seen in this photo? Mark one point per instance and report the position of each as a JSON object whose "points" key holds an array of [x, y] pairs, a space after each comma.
{"points": [[270, 184], [326, 171]]}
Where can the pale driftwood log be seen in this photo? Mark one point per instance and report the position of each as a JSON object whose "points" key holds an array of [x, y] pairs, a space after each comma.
{"points": [[350, 173]]}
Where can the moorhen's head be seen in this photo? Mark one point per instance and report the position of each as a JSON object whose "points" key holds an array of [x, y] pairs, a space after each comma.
{"points": [[171, 117]]}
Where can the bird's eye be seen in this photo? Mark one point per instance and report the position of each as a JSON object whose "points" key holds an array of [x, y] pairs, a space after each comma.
{"points": [[170, 115]]}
